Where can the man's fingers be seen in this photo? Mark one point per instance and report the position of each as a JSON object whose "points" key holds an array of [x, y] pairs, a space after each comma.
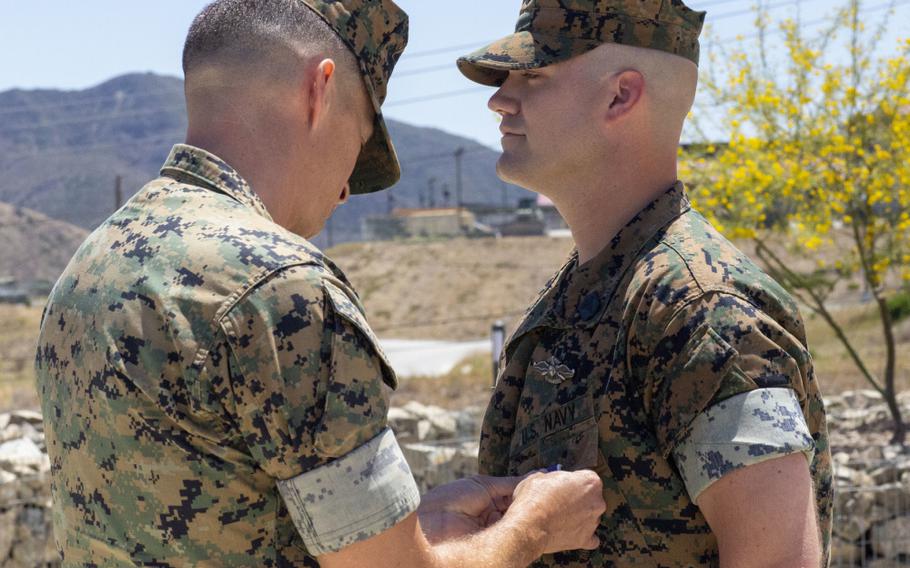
{"points": [[493, 518], [498, 488], [592, 544]]}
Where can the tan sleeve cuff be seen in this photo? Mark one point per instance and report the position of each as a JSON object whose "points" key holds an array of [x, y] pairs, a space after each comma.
{"points": [[353, 498]]}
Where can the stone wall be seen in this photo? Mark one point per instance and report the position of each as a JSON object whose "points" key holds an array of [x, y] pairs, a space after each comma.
{"points": [[872, 516], [440, 446], [26, 538], [872, 499]]}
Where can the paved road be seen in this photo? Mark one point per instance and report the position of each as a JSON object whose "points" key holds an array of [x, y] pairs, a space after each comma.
{"points": [[430, 358]]}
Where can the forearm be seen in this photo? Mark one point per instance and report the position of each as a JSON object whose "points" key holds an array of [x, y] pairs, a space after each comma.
{"points": [[510, 543]]}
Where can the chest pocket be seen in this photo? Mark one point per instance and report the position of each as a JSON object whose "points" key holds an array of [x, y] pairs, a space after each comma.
{"points": [[563, 434]]}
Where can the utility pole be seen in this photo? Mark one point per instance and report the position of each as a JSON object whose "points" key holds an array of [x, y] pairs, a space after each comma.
{"points": [[459, 154], [498, 339], [390, 202], [432, 187], [118, 193]]}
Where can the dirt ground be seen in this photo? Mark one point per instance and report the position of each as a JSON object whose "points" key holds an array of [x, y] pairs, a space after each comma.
{"points": [[18, 333], [453, 289], [456, 290]]}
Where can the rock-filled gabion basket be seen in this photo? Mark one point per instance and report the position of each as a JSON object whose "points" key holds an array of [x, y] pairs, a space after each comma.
{"points": [[872, 495], [26, 537]]}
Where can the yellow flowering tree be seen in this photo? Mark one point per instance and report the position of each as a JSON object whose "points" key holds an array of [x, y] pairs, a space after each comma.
{"points": [[817, 165]]}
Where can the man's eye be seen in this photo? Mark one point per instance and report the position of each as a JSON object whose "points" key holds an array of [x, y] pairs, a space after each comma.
{"points": [[529, 75]]}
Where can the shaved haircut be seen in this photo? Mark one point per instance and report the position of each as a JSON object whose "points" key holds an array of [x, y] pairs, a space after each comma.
{"points": [[258, 32], [671, 81]]}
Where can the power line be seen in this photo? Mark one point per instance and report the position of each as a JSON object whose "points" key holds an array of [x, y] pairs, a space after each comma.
{"points": [[869, 10], [436, 96], [738, 13], [704, 5], [449, 155], [448, 49], [425, 70], [502, 266], [451, 48], [42, 153], [115, 116], [418, 99], [402, 73]]}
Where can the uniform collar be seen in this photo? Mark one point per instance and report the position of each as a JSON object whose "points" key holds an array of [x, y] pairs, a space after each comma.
{"points": [[578, 296], [193, 164]]}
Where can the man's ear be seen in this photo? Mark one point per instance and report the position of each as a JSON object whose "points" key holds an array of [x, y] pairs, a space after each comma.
{"points": [[345, 194], [318, 85], [626, 89]]}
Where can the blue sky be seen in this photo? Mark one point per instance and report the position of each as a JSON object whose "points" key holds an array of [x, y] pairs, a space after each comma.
{"points": [[74, 45]]}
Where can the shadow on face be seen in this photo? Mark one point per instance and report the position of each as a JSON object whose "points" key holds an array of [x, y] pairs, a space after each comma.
{"points": [[591, 113]]}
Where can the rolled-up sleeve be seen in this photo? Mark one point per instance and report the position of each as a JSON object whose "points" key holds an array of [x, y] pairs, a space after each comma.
{"points": [[311, 389], [715, 348], [352, 498], [743, 430]]}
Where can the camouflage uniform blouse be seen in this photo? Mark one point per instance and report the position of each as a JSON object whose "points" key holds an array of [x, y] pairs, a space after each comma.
{"points": [[664, 363], [196, 364]]}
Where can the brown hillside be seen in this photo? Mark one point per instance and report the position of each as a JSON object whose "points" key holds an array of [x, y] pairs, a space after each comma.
{"points": [[449, 289], [35, 247], [467, 283]]}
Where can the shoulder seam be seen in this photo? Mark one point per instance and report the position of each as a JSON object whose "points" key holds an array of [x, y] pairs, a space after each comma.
{"points": [[692, 296], [667, 244]]}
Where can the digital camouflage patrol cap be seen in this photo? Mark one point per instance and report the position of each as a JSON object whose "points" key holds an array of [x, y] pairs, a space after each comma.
{"points": [[377, 32], [550, 31]]}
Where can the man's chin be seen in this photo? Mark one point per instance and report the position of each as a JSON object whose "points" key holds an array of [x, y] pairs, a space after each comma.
{"points": [[511, 170]]}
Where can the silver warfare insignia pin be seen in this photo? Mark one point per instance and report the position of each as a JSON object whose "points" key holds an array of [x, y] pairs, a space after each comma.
{"points": [[553, 371]]}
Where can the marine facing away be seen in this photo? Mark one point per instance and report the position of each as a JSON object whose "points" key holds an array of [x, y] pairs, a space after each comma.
{"points": [[212, 392], [659, 355]]}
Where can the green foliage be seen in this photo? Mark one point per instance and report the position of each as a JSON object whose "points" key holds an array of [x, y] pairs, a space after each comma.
{"points": [[899, 305]]}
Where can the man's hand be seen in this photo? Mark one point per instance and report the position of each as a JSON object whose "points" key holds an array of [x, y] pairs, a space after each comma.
{"points": [[465, 506], [564, 506], [548, 513]]}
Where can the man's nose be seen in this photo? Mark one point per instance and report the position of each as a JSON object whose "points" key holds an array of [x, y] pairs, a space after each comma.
{"points": [[503, 101], [345, 194]]}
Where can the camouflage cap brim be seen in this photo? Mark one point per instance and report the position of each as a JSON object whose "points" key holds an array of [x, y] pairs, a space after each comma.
{"points": [[377, 166], [490, 65]]}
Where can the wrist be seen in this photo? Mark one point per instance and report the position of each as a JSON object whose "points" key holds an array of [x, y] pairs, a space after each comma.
{"points": [[530, 534]]}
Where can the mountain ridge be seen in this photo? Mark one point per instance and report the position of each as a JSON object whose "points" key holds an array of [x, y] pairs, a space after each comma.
{"points": [[60, 152]]}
